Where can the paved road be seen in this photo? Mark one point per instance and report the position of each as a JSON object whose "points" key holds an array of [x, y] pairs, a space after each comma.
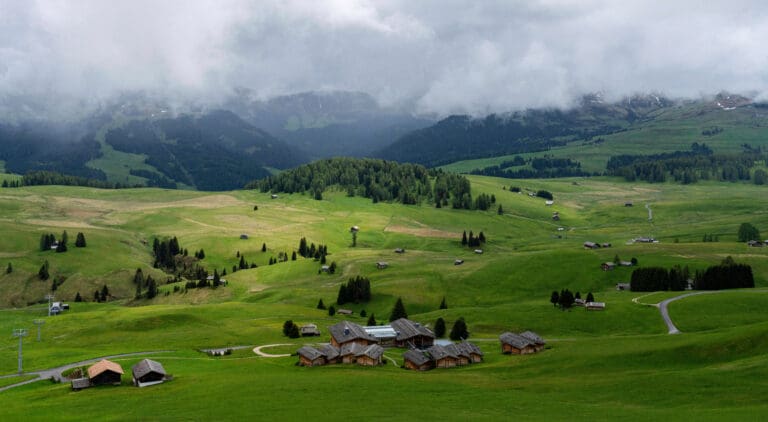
{"points": [[665, 313], [56, 372]]}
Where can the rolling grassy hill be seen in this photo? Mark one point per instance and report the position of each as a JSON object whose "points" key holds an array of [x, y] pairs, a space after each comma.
{"points": [[599, 365]]}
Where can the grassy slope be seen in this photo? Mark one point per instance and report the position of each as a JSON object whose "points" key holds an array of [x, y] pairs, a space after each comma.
{"points": [[600, 365], [678, 127]]}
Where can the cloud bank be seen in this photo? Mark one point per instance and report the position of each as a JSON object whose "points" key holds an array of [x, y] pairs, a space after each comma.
{"points": [[443, 56]]}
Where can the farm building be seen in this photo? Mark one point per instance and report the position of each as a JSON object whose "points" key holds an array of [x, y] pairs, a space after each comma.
{"points": [[399, 250], [556, 216], [348, 352], [622, 286], [273, 196], [442, 357], [538, 342], [385, 335], [626, 263], [458, 262], [549, 202], [412, 334], [105, 372], [579, 302], [148, 372], [244, 236], [607, 266], [345, 312], [595, 306], [80, 383], [628, 204], [645, 240], [479, 251], [370, 355], [755, 244], [516, 344], [591, 245], [348, 332], [462, 355], [331, 353], [474, 352], [309, 330], [381, 265], [309, 356], [417, 360]]}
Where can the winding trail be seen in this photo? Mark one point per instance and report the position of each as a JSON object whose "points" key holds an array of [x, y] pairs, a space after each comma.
{"points": [[56, 372], [258, 351]]}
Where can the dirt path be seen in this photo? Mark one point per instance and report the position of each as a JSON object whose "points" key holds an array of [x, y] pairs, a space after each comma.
{"points": [[56, 372], [258, 351]]}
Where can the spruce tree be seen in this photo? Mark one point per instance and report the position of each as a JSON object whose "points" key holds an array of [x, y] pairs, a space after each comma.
{"points": [[80, 240], [371, 320], [440, 328], [293, 256], [500, 211], [464, 238], [78, 298], [320, 304], [459, 330], [43, 272], [590, 297], [9, 269], [263, 247], [331, 311], [287, 327], [363, 314], [443, 305], [554, 298], [398, 311], [480, 238], [151, 288]]}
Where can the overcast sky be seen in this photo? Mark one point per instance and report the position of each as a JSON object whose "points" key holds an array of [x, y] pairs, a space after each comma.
{"points": [[447, 56]]}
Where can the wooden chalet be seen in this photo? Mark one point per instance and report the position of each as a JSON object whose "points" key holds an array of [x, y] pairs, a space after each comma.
{"points": [[105, 372], [348, 332], [331, 353], [538, 342], [309, 356], [462, 355], [417, 360], [370, 355], [442, 357], [474, 352], [516, 344], [309, 330], [412, 334], [349, 351], [595, 306], [148, 372]]}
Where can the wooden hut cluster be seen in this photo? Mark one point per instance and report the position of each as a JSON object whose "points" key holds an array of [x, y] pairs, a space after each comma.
{"points": [[353, 343], [524, 343], [105, 372], [437, 356]]}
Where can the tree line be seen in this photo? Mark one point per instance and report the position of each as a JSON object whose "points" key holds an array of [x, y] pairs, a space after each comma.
{"points": [[727, 275], [357, 289], [546, 167]]}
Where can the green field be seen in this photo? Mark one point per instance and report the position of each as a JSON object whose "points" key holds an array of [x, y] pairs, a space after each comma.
{"points": [[598, 365]]}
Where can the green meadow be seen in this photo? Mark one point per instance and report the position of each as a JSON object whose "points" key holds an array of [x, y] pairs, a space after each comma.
{"points": [[597, 365]]}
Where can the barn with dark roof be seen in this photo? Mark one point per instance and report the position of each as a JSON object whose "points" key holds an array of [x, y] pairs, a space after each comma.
{"points": [[148, 372]]}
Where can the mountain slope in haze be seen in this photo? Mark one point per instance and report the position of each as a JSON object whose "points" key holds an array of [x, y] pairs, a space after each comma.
{"points": [[214, 151], [327, 124], [459, 138]]}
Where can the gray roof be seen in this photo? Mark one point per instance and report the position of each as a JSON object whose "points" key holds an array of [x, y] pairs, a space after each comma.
{"points": [[146, 366], [457, 350], [351, 349], [373, 351], [515, 340], [407, 329], [81, 383], [329, 351], [440, 352], [309, 352], [418, 357], [535, 338], [347, 331], [470, 348]]}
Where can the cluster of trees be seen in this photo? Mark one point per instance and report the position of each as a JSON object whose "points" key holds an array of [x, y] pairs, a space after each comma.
{"points": [[378, 180], [144, 283], [541, 168], [357, 289], [57, 281], [154, 179], [48, 241], [165, 252], [290, 329], [43, 273], [565, 299], [11, 184], [709, 237], [686, 167], [727, 275], [452, 188], [484, 201], [651, 279], [316, 252], [102, 295], [748, 232], [545, 194], [44, 177], [472, 241], [458, 332]]}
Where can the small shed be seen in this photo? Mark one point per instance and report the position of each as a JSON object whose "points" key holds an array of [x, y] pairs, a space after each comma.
{"points": [[417, 360], [474, 352], [538, 342], [148, 372], [354, 229], [273, 196], [244, 236], [591, 245], [399, 250], [605, 245], [309, 356], [595, 306], [458, 262], [607, 266], [462, 355], [309, 330], [331, 353], [516, 344], [623, 286], [626, 263], [443, 357], [80, 383], [325, 268], [349, 351], [370, 356], [479, 251], [549, 202], [382, 265], [105, 372], [628, 204], [345, 312]]}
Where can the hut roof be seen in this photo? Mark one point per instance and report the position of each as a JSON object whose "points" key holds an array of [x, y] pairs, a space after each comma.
{"points": [[407, 329], [102, 366], [373, 351], [146, 366], [515, 340], [309, 352], [351, 349], [535, 338], [470, 348], [416, 356], [347, 331], [457, 350], [329, 351], [439, 352]]}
